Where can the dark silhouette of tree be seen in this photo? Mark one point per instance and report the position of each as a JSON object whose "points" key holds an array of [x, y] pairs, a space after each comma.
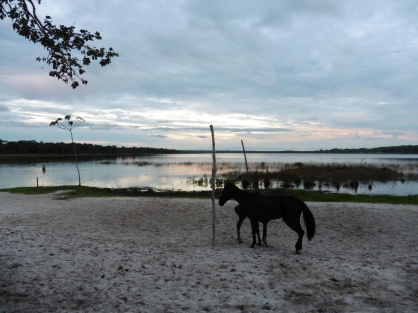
{"points": [[31, 147], [69, 125], [61, 42]]}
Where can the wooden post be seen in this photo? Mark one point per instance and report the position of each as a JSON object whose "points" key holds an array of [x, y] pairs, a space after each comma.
{"points": [[213, 186], [246, 164], [37, 184]]}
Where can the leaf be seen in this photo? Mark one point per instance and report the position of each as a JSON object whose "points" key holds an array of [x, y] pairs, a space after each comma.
{"points": [[63, 44]]}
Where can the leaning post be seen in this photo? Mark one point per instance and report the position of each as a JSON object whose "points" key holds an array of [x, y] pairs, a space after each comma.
{"points": [[246, 164], [213, 186]]}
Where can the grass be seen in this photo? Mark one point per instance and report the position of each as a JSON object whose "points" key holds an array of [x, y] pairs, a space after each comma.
{"points": [[320, 196], [76, 191], [315, 175], [306, 195]]}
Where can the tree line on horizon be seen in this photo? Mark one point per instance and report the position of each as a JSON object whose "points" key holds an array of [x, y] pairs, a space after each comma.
{"points": [[61, 148], [408, 149]]}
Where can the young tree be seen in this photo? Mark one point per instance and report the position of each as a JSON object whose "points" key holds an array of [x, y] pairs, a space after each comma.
{"points": [[69, 125], [61, 42]]}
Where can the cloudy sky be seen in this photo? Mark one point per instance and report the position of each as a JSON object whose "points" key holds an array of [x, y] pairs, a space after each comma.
{"points": [[279, 75]]}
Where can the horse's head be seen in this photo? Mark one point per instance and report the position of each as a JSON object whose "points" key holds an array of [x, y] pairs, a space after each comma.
{"points": [[226, 193]]}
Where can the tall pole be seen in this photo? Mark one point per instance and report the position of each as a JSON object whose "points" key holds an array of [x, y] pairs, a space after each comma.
{"points": [[213, 186], [246, 164], [76, 162]]}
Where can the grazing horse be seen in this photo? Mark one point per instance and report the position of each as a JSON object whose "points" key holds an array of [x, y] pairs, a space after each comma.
{"points": [[242, 216], [265, 208]]}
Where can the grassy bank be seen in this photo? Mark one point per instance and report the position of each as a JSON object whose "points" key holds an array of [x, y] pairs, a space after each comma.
{"points": [[306, 195]]}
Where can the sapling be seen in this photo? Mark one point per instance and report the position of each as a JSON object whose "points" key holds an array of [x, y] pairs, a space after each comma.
{"points": [[68, 124]]}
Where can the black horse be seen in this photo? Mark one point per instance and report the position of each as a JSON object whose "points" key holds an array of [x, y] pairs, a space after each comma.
{"points": [[242, 216], [265, 208]]}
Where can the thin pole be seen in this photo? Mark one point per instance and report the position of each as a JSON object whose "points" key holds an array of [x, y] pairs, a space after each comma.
{"points": [[213, 186], [76, 162], [246, 164]]}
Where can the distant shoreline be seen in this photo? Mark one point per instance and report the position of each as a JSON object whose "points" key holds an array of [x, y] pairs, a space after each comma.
{"points": [[72, 155], [316, 152], [33, 148], [23, 155]]}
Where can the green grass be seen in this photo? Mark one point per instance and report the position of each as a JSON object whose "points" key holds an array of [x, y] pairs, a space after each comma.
{"points": [[306, 195], [76, 191], [320, 196]]}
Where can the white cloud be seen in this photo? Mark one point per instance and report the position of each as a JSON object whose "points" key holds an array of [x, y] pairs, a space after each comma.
{"points": [[297, 75]]}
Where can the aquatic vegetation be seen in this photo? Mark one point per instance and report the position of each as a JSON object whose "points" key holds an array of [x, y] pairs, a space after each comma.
{"points": [[316, 175], [297, 175]]}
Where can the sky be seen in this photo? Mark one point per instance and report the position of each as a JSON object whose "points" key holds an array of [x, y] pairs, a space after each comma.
{"points": [[279, 75]]}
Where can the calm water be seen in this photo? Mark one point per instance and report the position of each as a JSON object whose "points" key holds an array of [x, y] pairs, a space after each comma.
{"points": [[175, 171]]}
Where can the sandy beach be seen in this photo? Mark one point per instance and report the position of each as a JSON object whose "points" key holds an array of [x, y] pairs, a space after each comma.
{"points": [[60, 254]]}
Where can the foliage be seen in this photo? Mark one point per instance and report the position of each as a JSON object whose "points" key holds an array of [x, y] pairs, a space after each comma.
{"points": [[314, 175], [67, 124], [407, 149], [67, 50], [329, 173], [32, 147]]}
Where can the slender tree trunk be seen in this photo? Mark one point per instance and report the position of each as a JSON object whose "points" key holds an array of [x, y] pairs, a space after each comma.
{"points": [[76, 162]]}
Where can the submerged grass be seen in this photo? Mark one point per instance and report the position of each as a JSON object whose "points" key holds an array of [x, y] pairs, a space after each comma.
{"points": [[318, 175], [306, 195], [320, 196]]}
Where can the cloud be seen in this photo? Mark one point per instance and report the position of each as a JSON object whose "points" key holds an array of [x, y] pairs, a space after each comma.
{"points": [[3, 108], [297, 72], [394, 134]]}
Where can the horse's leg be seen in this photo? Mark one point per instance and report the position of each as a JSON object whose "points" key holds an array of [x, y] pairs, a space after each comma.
{"points": [[254, 229], [258, 235], [293, 222], [265, 233], [241, 219]]}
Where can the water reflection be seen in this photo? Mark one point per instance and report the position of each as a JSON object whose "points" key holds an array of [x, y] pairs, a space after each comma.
{"points": [[192, 171]]}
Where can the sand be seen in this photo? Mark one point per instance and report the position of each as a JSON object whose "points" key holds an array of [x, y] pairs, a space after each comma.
{"points": [[61, 254]]}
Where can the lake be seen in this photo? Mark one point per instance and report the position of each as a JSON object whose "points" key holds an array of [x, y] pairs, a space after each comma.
{"points": [[177, 171]]}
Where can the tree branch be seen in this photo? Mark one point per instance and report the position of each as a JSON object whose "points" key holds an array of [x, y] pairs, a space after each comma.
{"points": [[61, 42]]}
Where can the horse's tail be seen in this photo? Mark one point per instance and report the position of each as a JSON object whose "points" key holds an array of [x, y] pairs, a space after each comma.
{"points": [[309, 221]]}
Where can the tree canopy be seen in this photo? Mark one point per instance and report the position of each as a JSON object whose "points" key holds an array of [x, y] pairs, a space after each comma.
{"points": [[23, 147], [68, 50]]}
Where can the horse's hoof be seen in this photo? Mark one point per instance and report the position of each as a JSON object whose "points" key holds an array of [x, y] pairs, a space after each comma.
{"points": [[259, 244], [298, 252]]}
